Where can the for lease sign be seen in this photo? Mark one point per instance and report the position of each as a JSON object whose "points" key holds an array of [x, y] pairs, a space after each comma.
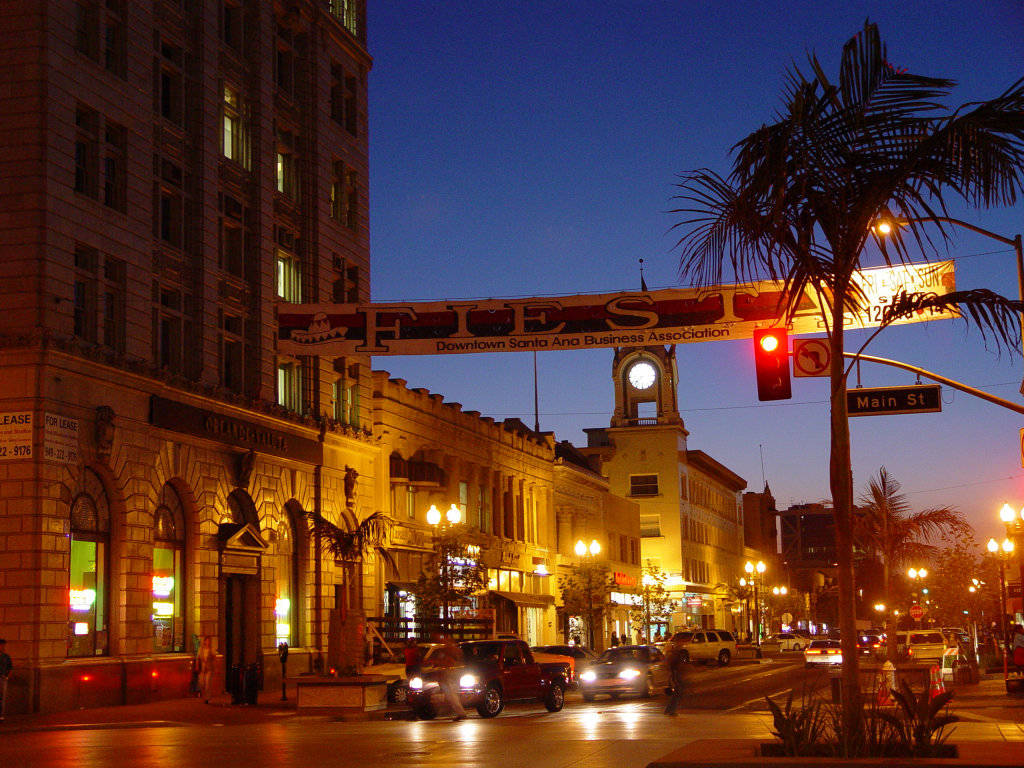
{"points": [[16, 435], [670, 316]]}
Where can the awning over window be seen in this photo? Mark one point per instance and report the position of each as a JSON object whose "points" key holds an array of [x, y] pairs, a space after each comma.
{"points": [[526, 600]]}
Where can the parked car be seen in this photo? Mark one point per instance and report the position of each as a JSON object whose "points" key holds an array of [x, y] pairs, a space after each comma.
{"points": [[786, 641], [920, 645], [821, 652], [707, 645], [580, 657], [636, 669], [493, 673]]}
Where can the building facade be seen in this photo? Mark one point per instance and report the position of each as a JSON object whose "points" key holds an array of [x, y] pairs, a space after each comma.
{"points": [[691, 513], [172, 171]]}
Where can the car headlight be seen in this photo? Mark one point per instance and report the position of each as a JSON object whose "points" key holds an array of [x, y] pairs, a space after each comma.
{"points": [[629, 674], [468, 681], [588, 676], [416, 684]]}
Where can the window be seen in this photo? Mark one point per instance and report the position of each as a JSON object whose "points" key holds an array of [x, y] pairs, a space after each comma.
{"points": [[643, 485], [352, 105], [287, 165], [345, 99], [345, 287], [236, 239], [284, 61], [85, 289], [351, 202], [289, 276], [113, 39], [338, 192], [90, 541], [232, 351], [233, 24], [169, 203], [347, 12], [289, 385], [464, 500], [114, 286], [285, 581], [87, 127], [410, 502], [114, 161], [346, 393], [650, 524], [171, 325], [168, 582], [99, 33], [87, 29], [237, 142], [168, 93]]}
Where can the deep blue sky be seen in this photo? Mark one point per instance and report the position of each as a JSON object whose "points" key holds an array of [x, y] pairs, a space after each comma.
{"points": [[529, 148]]}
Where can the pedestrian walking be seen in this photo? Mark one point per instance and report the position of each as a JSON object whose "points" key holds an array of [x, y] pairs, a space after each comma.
{"points": [[1017, 645], [678, 665], [205, 659], [5, 673], [614, 640], [450, 658], [413, 658]]}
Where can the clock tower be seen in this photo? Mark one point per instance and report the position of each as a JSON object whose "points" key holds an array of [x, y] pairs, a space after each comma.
{"points": [[645, 375]]}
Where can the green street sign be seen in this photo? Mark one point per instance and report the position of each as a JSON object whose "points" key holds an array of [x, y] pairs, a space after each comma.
{"points": [[888, 401]]}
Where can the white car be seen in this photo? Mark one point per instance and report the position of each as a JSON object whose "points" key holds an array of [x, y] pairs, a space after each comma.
{"points": [[923, 645], [787, 641], [823, 652]]}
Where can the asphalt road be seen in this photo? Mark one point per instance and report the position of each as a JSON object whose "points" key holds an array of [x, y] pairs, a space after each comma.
{"points": [[725, 703]]}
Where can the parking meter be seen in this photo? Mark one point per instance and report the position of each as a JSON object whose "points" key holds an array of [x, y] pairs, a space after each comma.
{"points": [[282, 653]]}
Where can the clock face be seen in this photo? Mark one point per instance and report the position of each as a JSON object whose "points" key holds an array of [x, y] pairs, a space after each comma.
{"points": [[642, 375]]}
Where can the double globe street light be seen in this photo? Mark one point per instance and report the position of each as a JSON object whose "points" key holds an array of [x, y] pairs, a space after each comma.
{"points": [[440, 524], [1002, 550], [756, 573]]}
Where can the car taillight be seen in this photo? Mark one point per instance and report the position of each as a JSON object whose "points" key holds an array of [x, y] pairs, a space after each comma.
{"points": [[812, 652]]}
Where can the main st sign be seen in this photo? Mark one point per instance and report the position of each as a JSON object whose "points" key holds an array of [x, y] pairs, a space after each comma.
{"points": [[888, 401], [627, 319]]}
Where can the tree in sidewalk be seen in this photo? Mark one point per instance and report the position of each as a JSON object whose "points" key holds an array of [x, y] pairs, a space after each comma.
{"points": [[584, 593], [885, 525], [800, 203], [656, 605], [350, 546], [453, 574]]}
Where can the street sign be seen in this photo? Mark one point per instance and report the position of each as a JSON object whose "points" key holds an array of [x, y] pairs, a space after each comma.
{"points": [[916, 612], [888, 401], [811, 357]]}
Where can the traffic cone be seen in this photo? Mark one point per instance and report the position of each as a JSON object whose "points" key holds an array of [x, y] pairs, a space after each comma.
{"points": [[935, 686]]}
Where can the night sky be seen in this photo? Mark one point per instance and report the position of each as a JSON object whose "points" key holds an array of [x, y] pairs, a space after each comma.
{"points": [[526, 149]]}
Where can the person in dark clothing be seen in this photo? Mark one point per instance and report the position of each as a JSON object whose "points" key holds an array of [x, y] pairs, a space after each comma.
{"points": [[614, 640], [413, 658], [678, 665]]}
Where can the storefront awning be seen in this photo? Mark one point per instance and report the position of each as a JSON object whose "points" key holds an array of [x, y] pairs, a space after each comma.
{"points": [[525, 599]]}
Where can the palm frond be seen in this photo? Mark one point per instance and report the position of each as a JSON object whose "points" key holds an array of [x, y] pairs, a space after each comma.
{"points": [[353, 544], [995, 316]]}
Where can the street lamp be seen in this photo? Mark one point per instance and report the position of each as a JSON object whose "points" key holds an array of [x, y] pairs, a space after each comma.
{"points": [[915, 574], [884, 228], [592, 550], [451, 517], [648, 582], [759, 568], [1014, 523], [1002, 550]]}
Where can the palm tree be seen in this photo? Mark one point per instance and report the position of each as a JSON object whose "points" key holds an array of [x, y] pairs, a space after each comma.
{"points": [[884, 525], [800, 201], [350, 546]]}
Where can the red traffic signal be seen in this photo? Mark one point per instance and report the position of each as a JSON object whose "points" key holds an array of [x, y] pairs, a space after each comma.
{"points": [[771, 362]]}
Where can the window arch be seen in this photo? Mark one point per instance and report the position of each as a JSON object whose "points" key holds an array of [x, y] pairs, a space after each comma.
{"points": [[168, 563], [88, 586]]}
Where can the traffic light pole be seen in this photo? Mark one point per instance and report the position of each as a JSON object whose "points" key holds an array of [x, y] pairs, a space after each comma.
{"points": [[941, 379]]}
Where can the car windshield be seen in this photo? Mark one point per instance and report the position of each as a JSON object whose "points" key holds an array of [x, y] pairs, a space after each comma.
{"points": [[684, 636], [481, 651], [624, 654], [824, 644]]}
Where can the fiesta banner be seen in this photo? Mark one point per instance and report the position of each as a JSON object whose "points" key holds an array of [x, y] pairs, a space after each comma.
{"points": [[667, 316]]}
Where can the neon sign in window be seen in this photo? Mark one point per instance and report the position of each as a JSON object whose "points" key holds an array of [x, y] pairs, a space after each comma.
{"points": [[163, 609], [82, 600], [81, 628], [163, 586]]}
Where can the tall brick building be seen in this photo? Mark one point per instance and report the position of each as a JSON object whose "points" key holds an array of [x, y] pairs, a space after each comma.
{"points": [[171, 170]]}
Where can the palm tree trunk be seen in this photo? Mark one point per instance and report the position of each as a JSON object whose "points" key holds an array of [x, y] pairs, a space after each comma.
{"points": [[841, 484]]}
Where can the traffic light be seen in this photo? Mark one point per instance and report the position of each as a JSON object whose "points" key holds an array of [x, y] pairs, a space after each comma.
{"points": [[771, 361]]}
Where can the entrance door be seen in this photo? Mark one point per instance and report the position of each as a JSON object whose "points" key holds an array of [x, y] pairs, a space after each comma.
{"points": [[241, 635]]}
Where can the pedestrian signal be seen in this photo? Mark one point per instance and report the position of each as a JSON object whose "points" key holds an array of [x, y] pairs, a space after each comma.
{"points": [[771, 363]]}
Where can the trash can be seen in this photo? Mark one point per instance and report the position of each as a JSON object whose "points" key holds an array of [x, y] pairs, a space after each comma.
{"points": [[251, 684]]}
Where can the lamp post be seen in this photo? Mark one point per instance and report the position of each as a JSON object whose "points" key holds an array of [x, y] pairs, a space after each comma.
{"points": [[441, 524], [1002, 550], [592, 550], [756, 572], [648, 582], [1014, 523], [914, 574], [780, 591], [885, 228], [746, 603]]}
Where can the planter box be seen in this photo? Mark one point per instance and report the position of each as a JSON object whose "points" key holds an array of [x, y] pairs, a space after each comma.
{"points": [[740, 753], [353, 697]]}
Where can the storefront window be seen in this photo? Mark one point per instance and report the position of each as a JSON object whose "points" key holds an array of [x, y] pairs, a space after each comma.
{"points": [[87, 593], [168, 585]]}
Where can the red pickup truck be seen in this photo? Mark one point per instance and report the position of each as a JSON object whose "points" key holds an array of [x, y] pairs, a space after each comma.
{"points": [[493, 672]]}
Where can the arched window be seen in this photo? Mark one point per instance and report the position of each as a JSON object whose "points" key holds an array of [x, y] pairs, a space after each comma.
{"points": [[168, 584], [287, 595], [88, 633]]}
